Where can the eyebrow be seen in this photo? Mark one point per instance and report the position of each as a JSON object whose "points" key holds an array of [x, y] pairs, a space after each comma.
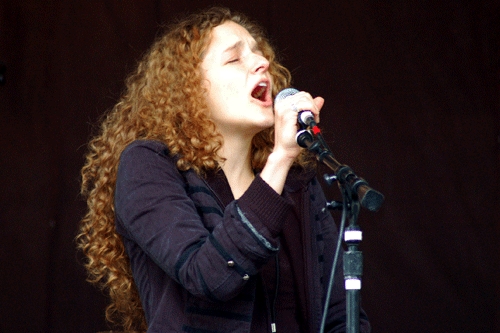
{"points": [[254, 46], [236, 45]]}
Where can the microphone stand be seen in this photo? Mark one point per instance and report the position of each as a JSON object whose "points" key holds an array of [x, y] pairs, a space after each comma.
{"points": [[356, 193]]}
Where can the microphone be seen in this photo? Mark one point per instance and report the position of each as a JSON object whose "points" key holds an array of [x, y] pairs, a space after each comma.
{"points": [[305, 117], [367, 196]]}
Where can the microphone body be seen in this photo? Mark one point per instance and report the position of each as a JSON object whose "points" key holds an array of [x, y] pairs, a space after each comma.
{"points": [[305, 117]]}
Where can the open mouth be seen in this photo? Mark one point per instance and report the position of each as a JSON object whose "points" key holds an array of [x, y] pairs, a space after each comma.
{"points": [[260, 92]]}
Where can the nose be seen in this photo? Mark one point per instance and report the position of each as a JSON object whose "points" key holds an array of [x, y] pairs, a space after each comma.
{"points": [[261, 64]]}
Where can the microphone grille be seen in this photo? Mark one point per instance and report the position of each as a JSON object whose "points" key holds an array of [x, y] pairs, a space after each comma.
{"points": [[285, 93]]}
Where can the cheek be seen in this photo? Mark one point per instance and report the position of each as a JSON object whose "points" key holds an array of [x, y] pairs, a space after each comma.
{"points": [[230, 91], [225, 94], [216, 101], [212, 95]]}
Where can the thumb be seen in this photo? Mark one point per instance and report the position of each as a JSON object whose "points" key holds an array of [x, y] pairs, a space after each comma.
{"points": [[319, 102]]}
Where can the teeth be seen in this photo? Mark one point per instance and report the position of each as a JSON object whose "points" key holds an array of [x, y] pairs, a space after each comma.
{"points": [[259, 91]]}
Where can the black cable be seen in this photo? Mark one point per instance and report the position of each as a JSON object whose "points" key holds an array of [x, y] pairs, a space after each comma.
{"points": [[3, 69], [273, 310], [335, 260]]}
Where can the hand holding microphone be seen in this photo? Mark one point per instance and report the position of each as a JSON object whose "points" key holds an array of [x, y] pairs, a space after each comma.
{"points": [[286, 149], [306, 118], [307, 110], [299, 103]]}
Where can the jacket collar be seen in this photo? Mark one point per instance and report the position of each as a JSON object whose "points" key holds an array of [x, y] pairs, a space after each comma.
{"points": [[297, 179]]}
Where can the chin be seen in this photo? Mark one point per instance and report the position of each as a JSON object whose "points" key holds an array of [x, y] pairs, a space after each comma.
{"points": [[267, 124]]}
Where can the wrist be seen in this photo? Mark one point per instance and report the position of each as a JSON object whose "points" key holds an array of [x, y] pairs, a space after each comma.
{"points": [[283, 158], [276, 170]]}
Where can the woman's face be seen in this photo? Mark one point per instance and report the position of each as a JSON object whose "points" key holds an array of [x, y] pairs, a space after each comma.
{"points": [[238, 82]]}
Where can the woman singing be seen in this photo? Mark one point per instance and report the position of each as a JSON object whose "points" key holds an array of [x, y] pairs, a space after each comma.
{"points": [[204, 215]]}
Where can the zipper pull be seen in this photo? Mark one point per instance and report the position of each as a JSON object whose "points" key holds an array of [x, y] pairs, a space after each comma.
{"points": [[273, 327]]}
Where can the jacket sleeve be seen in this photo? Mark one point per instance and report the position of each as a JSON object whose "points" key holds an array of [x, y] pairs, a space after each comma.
{"points": [[154, 210]]}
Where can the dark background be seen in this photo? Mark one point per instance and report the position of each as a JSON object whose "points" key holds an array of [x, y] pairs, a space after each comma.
{"points": [[412, 105]]}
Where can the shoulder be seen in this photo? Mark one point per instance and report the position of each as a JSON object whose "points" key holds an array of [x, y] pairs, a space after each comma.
{"points": [[144, 146], [145, 158]]}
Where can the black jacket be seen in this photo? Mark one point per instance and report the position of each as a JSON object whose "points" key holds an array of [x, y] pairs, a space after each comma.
{"points": [[196, 263]]}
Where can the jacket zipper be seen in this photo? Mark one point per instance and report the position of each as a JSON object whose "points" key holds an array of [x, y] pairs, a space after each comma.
{"points": [[219, 201]]}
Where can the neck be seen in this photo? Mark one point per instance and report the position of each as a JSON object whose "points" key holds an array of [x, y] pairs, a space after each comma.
{"points": [[237, 165]]}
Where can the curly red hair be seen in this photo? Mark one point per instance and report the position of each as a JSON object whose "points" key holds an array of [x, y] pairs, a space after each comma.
{"points": [[163, 101]]}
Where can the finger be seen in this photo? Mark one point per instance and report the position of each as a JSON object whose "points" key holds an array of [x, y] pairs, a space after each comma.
{"points": [[319, 102], [300, 101]]}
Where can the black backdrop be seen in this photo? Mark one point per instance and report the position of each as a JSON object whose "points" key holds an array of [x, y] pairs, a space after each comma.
{"points": [[412, 105]]}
